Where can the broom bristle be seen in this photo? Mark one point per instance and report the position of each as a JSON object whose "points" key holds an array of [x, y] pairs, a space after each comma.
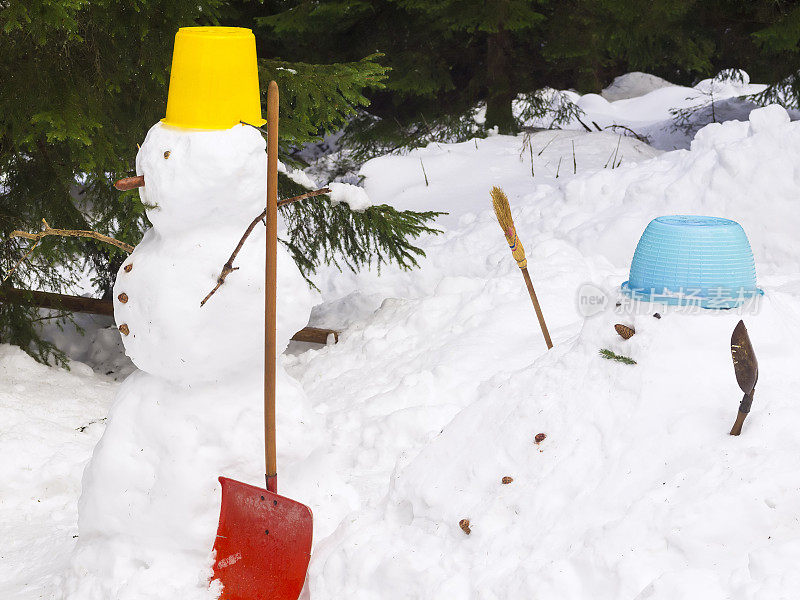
{"points": [[503, 211]]}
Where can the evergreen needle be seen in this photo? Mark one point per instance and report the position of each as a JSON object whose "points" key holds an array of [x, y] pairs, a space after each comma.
{"points": [[609, 355]]}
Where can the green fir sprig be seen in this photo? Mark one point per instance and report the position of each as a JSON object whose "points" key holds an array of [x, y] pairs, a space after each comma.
{"points": [[610, 355]]}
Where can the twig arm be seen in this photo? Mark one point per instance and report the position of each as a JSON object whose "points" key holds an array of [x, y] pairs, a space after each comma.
{"points": [[319, 192], [71, 233], [228, 267]]}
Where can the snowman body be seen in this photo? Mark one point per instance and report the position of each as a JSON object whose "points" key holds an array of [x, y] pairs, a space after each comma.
{"points": [[202, 189], [150, 498]]}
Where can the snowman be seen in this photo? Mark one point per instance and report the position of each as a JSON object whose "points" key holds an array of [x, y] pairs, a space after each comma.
{"points": [[150, 498]]}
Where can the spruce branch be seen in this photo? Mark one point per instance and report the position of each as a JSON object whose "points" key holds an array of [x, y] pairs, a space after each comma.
{"points": [[320, 232], [609, 355]]}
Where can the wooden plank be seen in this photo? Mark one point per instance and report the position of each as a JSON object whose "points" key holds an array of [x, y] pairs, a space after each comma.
{"points": [[96, 306], [57, 301], [315, 335]]}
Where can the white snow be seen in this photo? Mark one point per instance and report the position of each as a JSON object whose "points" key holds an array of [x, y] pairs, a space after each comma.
{"points": [[51, 421], [633, 85], [441, 381], [435, 393], [646, 105], [298, 176], [352, 195]]}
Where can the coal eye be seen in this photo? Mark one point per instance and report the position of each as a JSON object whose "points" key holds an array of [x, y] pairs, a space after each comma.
{"points": [[166, 154]]}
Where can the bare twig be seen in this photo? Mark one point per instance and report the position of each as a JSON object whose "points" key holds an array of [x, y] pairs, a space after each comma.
{"points": [[546, 145], [71, 233], [37, 238], [228, 267], [574, 161], [609, 159], [585, 126], [20, 261], [286, 201], [619, 139], [530, 147], [638, 136]]}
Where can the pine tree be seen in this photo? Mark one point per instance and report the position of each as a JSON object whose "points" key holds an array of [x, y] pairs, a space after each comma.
{"points": [[777, 38], [83, 82], [505, 29], [445, 55]]}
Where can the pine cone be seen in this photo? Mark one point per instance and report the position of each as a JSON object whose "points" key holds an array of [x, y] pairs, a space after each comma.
{"points": [[507, 480], [624, 331], [464, 524]]}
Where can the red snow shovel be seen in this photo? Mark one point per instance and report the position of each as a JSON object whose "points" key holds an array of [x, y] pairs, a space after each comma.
{"points": [[263, 540]]}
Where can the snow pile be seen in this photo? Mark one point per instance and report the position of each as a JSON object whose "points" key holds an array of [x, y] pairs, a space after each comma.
{"points": [[633, 85], [51, 420], [150, 501], [353, 195], [636, 492], [437, 392], [668, 115], [464, 171], [93, 340], [441, 382]]}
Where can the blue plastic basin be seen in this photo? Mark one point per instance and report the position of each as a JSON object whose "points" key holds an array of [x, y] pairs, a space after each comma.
{"points": [[693, 260]]}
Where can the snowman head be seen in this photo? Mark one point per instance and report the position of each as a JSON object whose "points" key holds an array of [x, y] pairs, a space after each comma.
{"points": [[200, 164], [199, 178]]}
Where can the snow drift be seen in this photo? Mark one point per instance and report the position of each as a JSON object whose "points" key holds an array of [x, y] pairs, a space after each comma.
{"points": [[441, 382], [638, 491]]}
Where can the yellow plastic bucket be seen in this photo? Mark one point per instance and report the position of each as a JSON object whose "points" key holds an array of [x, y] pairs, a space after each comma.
{"points": [[214, 79]]}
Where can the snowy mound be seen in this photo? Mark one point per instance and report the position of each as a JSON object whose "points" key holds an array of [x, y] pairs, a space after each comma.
{"points": [[633, 85], [51, 419], [637, 492], [441, 382], [667, 116]]}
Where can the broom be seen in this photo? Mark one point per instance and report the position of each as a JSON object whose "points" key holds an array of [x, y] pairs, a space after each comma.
{"points": [[503, 212]]}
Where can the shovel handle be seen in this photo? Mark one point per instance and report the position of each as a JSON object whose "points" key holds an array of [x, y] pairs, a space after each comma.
{"points": [[270, 292], [744, 410]]}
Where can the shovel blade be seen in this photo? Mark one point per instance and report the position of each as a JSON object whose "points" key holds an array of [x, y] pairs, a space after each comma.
{"points": [[263, 544], [745, 364]]}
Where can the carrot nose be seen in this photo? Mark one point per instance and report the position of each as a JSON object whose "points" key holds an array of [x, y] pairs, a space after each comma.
{"points": [[130, 183]]}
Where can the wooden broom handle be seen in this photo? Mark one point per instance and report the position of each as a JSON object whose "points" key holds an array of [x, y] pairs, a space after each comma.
{"points": [[270, 295], [537, 308]]}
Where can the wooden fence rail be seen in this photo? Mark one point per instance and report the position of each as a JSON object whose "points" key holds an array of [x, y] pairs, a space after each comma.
{"points": [[96, 306]]}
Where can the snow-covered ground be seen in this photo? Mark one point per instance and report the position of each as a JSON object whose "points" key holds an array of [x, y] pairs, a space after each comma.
{"points": [[667, 116], [441, 381], [50, 420]]}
